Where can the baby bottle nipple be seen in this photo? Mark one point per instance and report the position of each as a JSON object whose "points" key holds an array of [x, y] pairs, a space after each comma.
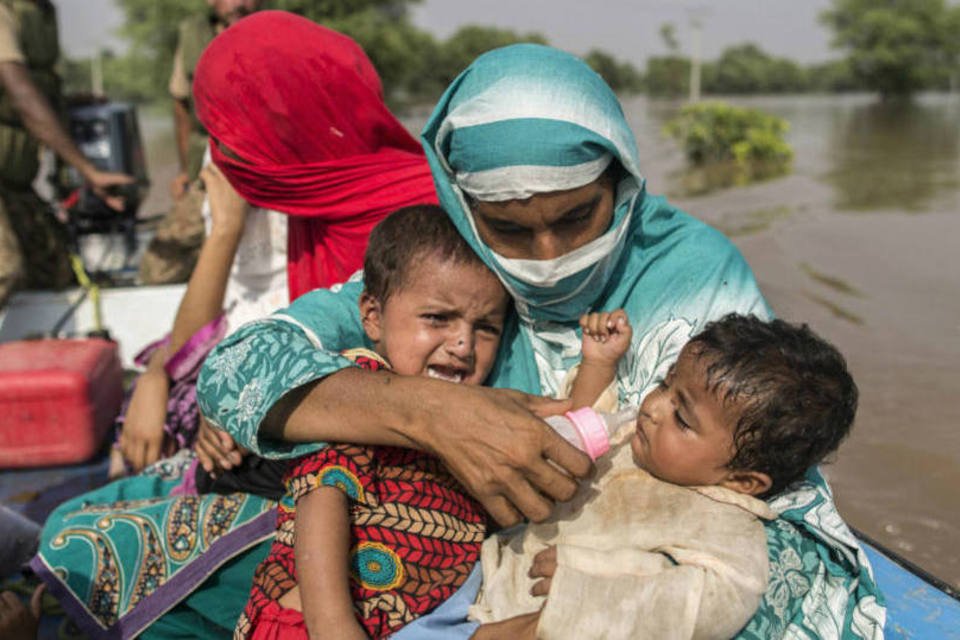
{"points": [[616, 420]]}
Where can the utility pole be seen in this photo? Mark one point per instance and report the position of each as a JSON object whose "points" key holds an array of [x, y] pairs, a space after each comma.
{"points": [[96, 73], [696, 25], [696, 15]]}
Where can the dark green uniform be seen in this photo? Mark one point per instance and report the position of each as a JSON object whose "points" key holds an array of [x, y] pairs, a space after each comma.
{"points": [[195, 34], [32, 242]]}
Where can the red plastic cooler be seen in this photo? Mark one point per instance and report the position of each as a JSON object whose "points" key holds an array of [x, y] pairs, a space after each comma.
{"points": [[58, 399]]}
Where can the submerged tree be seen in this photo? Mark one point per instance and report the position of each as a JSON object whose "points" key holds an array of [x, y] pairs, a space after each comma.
{"points": [[413, 65], [622, 77], [896, 47]]}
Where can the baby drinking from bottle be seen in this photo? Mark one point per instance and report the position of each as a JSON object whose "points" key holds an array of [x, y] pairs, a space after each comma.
{"points": [[667, 540]]}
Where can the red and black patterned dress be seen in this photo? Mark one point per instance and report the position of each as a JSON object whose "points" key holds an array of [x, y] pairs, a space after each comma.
{"points": [[415, 533]]}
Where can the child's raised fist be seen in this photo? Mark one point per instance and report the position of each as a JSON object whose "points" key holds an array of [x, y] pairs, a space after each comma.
{"points": [[606, 335]]}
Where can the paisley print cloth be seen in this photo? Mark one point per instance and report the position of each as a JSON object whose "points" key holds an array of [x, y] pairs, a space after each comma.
{"points": [[415, 533], [119, 557]]}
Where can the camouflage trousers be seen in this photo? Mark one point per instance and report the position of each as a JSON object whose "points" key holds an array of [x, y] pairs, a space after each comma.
{"points": [[172, 254], [33, 244]]}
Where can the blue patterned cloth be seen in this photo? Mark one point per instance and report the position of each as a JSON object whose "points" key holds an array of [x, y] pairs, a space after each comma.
{"points": [[526, 119]]}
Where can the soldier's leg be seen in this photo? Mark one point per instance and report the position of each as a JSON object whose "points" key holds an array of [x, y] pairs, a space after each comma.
{"points": [[173, 252], [11, 260], [43, 241]]}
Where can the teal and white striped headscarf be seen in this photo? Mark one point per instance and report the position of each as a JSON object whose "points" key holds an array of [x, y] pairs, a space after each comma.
{"points": [[529, 119]]}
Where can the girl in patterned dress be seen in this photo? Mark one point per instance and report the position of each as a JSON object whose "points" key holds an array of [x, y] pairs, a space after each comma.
{"points": [[369, 538]]}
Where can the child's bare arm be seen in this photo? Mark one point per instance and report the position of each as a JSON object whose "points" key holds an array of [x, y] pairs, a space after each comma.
{"points": [[322, 552], [606, 337]]}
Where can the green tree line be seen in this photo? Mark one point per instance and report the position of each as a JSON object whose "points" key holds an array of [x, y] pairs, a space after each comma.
{"points": [[893, 47], [414, 66], [747, 69]]}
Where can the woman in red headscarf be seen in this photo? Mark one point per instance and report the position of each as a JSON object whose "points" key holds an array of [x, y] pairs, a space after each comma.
{"points": [[297, 122], [297, 125]]}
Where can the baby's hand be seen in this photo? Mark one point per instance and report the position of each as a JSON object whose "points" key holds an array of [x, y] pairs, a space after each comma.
{"points": [[543, 567], [606, 336]]}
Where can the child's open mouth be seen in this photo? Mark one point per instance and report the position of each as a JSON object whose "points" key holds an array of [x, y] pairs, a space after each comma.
{"points": [[449, 374]]}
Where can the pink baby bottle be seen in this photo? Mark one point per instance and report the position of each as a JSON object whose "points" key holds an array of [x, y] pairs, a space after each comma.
{"points": [[589, 430]]}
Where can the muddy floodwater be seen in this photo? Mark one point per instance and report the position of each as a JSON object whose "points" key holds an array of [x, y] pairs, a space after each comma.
{"points": [[861, 241]]}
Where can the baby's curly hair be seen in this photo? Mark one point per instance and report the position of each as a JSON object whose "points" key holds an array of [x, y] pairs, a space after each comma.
{"points": [[795, 398]]}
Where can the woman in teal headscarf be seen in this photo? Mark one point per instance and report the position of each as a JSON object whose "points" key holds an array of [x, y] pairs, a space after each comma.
{"points": [[534, 162]]}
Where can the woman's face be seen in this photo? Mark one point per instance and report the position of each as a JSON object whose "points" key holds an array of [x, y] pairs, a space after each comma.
{"points": [[547, 225]]}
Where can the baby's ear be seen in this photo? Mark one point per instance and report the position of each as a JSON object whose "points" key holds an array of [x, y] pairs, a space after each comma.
{"points": [[371, 316], [752, 483]]}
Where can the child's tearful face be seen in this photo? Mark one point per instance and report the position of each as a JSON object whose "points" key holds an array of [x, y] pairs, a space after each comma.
{"points": [[444, 323]]}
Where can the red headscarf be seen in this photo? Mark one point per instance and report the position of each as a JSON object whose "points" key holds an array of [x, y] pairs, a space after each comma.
{"points": [[302, 108]]}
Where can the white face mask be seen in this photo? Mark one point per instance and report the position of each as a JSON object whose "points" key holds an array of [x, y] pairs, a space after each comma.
{"points": [[563, 288], [547, 273]]}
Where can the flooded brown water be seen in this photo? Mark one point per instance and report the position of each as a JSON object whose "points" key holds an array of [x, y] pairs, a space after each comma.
{"points": [[861, 241]]}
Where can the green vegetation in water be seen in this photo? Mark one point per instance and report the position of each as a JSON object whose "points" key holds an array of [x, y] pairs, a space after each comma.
{"points": [[751, 222], [835, 309], [830, 281], [729, 145], [744, 69]]}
